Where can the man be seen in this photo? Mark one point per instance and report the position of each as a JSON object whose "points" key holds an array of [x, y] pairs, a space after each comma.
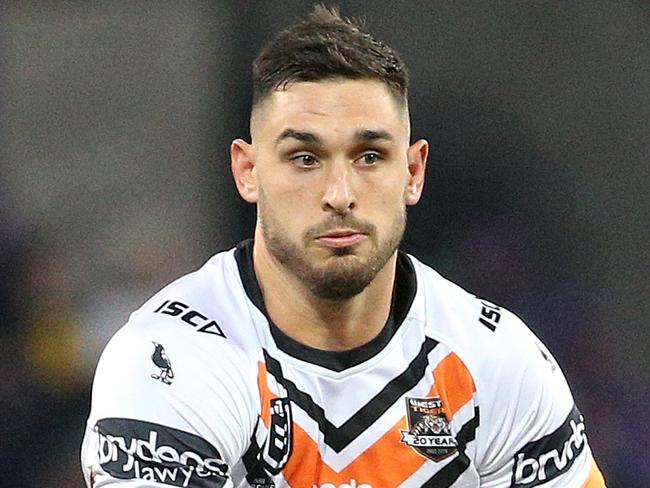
{"points": [[318, 355]]}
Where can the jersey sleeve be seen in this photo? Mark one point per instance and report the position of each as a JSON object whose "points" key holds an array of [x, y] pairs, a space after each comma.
{"points": [[531, 432], [169, 408]]}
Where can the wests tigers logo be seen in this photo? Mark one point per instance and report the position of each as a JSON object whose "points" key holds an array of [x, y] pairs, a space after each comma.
{"points": [[428, 432]]}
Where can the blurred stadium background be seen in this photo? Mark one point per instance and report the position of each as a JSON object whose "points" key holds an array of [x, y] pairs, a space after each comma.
{"points": [[116, 118]]}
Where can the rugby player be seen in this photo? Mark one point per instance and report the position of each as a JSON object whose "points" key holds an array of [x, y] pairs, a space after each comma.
{"points": [[317, 354]]}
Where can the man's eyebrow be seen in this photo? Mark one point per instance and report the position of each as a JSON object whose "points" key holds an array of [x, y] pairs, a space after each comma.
{"points": [[306, 137], [365, 135], [373, 135]]}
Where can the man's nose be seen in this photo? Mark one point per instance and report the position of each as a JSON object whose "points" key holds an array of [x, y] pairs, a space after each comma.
{"points": [[339, 195]]}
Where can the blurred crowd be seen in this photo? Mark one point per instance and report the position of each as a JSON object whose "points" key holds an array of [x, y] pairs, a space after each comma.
{"points": [[53, 329]]}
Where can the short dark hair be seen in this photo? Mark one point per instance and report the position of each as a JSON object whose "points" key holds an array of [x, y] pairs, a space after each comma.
{"points": [[326, 46]]}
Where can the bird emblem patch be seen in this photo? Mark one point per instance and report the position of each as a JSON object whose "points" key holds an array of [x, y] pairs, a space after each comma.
{"points": [[428, 429], [160, 359]]}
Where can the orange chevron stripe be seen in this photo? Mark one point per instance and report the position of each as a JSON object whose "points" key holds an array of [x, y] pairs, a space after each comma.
{"points": [[387, 462], [595, 479], [455, 384]]}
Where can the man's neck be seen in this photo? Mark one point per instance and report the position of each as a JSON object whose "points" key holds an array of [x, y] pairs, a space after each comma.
{"points": [[319, 323]]}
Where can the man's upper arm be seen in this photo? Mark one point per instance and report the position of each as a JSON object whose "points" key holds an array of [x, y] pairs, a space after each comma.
{"points": [[532, 433], [168, 410]]}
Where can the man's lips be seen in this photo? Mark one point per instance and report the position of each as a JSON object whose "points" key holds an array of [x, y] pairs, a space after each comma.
{"points": [[341, 238]]}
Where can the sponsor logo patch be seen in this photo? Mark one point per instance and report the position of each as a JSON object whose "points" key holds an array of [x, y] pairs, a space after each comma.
{"points": [[552, 455], [428, 432], [160, 359], [190, 317], [133, 449]]}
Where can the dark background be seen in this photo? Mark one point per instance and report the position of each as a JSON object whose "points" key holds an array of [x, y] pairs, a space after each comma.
{"points": [[116, 118]]}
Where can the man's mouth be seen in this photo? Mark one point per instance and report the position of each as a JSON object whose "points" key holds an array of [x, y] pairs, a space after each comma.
{"points": [[341, 238]]}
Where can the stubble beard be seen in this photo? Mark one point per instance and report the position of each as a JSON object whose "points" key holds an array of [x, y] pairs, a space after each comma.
{"points": [[343, 275]]}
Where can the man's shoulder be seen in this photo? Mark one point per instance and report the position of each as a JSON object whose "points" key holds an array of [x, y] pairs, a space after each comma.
{"points": [[452, 309], [206, 309], [208, 303], [180, 337], [478, 330]]}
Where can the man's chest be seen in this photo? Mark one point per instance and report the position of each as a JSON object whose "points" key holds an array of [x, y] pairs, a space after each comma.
{"points": [[412, 425]]}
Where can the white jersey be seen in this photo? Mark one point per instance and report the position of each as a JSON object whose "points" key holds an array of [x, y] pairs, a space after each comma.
{"points": [[200, 389]]}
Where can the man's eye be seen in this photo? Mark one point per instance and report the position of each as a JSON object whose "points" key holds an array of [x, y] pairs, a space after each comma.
{"points": [[369, 159], [304, 160]]}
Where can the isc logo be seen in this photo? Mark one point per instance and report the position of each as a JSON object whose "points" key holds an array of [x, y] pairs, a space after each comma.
{"points": [[352, 484], [191, 317]]}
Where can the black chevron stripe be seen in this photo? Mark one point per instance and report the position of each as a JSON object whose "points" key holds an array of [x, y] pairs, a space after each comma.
{"points": [[339, 437], [448, 475], [467, 433]]}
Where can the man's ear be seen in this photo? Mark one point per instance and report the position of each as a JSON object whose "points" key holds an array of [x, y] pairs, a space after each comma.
{"points": [[417, 163], [242, 164]]}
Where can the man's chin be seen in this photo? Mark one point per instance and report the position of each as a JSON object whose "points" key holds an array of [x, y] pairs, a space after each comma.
{"points": [[339, 282]]}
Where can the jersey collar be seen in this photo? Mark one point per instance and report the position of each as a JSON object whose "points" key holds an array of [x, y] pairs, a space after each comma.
{"points": [[403, 295]]}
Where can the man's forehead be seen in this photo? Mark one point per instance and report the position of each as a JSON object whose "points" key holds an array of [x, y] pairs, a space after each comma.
{"points": [[336, 104]]}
